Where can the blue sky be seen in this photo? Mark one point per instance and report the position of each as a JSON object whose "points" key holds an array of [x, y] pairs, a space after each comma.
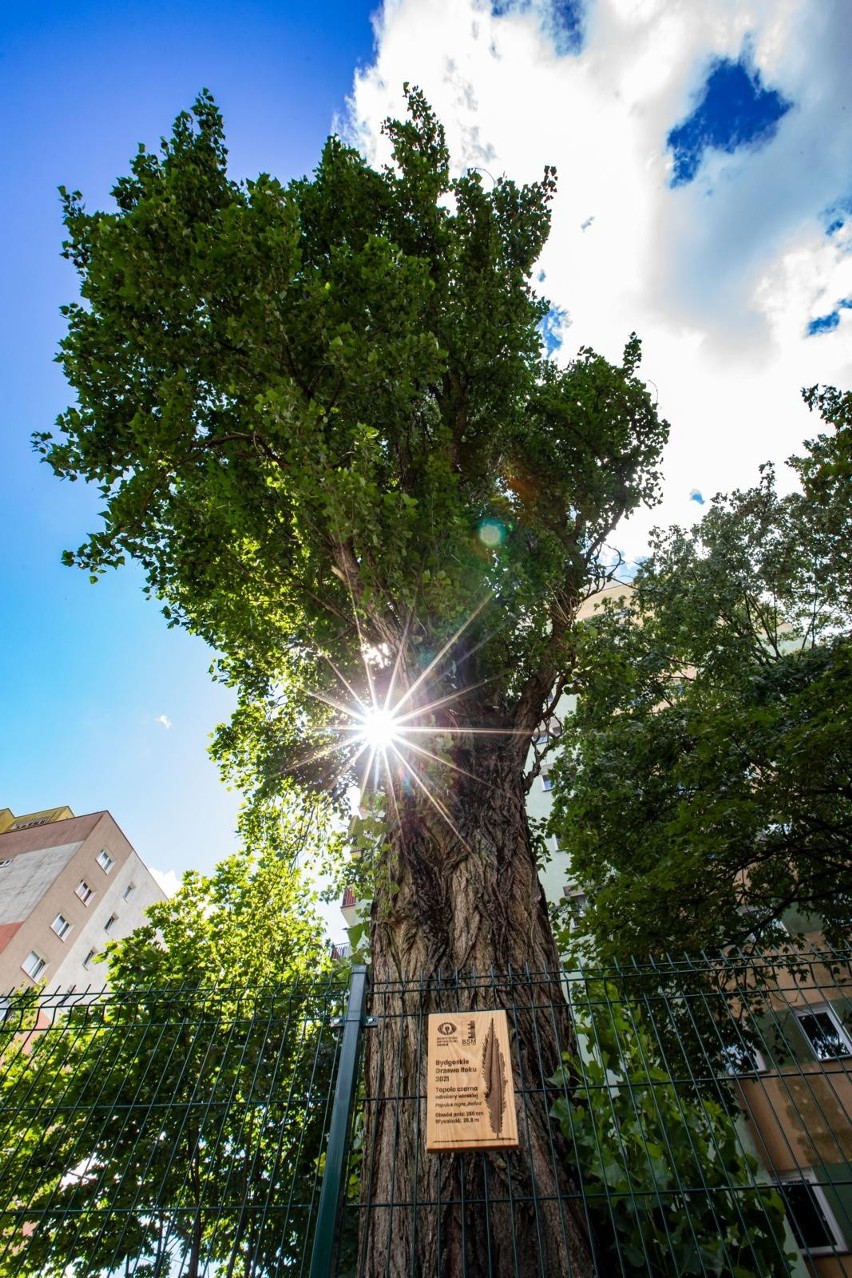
{"points": [[90, 674], [705, 159], [735, 110]]}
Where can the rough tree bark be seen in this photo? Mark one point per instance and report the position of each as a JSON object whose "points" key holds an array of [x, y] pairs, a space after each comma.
{"points": [[465, 899]]}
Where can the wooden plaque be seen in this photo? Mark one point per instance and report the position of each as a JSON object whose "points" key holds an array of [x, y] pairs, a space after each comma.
{"points": [[470, 1096]]}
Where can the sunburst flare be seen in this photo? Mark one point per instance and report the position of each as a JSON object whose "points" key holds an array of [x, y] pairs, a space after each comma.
{"points": [[384, 735]]}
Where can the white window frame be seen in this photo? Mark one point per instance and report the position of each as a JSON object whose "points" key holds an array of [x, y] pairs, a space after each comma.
{"points": [[129, 892], [807, 1178], [61, 926], [39, 965], [7, 860], [92, 954], [105, 861], [817, 1009], [84, 892], [110, 923]]}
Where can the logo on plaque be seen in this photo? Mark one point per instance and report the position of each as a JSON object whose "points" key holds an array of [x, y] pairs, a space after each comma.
{"points": [[470, 1099]]}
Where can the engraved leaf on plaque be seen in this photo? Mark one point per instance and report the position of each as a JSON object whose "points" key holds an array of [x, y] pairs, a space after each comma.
{"points": [[494, 1074]]}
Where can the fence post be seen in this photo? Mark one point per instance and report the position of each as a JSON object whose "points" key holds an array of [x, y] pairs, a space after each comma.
{"points": [[325, 1234]]}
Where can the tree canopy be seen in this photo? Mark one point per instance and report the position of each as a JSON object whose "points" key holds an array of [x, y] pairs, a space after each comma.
{"points": [[322, 417], [705, 791], [208, 933]]}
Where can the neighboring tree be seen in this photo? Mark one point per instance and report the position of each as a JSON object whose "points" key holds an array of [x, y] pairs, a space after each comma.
{"points": [[705, 789], [251, 925], [825, 475], [664, 1171], [175, 1122], [322, 418]]}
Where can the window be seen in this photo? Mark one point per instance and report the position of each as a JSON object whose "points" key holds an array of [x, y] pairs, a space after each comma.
{"points": [[761, 929], [105, 861], [546, 781], [108, 926], [84, 892], [6, 861], [742, 1058], [128, 892], [33, 964], [823, 1030], [810, 1216], [87, 960], [28, 825], [577, 903], [61, 926]]}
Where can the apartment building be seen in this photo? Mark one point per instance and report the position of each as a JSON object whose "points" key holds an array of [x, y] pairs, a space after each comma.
{"points": [[68, 886]]}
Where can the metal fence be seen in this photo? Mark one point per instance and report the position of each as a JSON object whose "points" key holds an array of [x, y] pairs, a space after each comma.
{"points": [[166, 1133], [699, 1123]]}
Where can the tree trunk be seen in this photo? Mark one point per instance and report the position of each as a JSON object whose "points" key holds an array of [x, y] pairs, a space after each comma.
{"points": [[197, 1228], [465, 900]]}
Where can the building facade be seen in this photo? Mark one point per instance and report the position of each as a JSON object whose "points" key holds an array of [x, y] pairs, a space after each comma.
{"points": [[68, 886]]}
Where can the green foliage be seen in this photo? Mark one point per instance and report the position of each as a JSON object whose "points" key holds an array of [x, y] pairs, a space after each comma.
{"points": [[825, 473], [664, 1174], [176, 1120], [299, 404], [703, 793], [251, 924]]}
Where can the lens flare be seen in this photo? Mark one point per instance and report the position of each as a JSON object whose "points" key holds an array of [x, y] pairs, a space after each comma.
{"points": [[378, 728], [492, 533], [385, 739]]}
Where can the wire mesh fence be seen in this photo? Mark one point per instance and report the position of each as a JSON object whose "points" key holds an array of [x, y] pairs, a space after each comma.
{"points": [[700, 1118], [167, 1133], [697, 1119]]}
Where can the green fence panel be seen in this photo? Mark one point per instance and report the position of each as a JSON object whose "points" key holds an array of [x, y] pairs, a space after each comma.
{"points": [[172, 1133], [702, 1105]]}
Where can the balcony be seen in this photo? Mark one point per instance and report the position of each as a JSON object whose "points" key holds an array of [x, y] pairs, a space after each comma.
{"points": [[351, 908]]}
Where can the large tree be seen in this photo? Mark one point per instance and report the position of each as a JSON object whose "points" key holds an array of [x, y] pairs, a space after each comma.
{"points": [[322, 417], [705, 791]]}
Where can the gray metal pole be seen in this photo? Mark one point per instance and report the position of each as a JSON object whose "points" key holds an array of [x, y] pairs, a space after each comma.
{"points": [[325, 1236]]}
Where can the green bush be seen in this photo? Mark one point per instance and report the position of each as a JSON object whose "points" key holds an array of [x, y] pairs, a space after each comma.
{"points": [[668, 1186]]}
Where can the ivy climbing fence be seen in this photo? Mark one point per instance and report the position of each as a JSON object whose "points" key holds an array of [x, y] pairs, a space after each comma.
{"points": [[702, 1108]]}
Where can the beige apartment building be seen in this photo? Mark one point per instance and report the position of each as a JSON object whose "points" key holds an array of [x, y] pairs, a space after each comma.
{"points": [[68, 886]]}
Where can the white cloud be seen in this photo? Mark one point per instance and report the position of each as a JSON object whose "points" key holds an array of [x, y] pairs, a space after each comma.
{"points": [[719, 277], [164, 720], [167, 880]]}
